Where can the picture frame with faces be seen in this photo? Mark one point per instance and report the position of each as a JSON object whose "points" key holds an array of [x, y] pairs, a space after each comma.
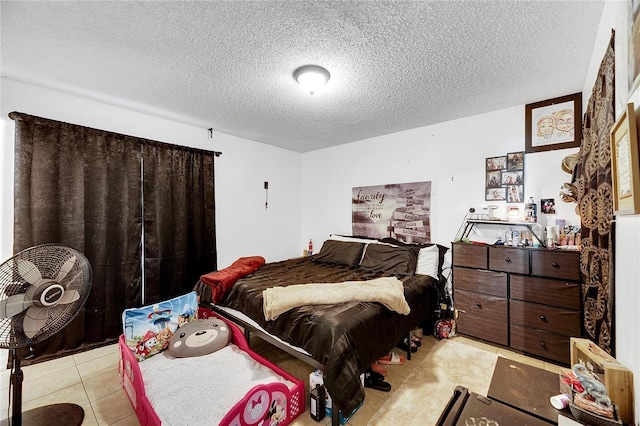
{"points": [[553, 124]]}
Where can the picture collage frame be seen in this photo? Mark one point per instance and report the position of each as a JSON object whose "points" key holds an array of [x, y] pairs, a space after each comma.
{"points": [[504, 180]]}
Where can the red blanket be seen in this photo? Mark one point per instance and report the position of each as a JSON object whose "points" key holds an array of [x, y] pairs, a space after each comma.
{"points": [[220, 282]]}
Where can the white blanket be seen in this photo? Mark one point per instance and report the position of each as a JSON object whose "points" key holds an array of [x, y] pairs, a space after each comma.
{"points": [[386, 290], [201, 390]]}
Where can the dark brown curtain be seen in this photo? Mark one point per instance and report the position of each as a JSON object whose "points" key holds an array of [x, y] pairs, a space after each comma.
{"points": [[84, 188], [81, 187], [179, 220], [595, 202]]}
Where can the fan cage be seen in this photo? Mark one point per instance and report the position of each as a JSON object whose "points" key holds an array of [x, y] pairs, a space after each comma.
{"points": [[48, 258]]}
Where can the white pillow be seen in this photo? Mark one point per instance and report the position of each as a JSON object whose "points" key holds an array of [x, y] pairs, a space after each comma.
{"points": [[366, 242], [428, 260], [357, 240], [351, 239]]}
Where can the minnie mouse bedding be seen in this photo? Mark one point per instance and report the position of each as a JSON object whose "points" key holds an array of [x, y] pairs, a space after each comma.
{"points": [[231, 386], [347, 337]]}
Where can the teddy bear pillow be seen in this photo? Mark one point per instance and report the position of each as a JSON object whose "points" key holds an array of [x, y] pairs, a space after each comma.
{"points": [[200, 337]]}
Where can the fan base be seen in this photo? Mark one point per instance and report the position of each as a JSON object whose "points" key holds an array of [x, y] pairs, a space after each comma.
{"points": [[52, 415]]}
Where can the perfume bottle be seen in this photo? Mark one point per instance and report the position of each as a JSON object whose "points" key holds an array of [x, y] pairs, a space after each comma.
{"points": [[531, 210]]}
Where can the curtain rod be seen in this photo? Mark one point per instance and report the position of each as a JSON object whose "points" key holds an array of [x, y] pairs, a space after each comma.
{"points": [[15, 115], [216, 153]]}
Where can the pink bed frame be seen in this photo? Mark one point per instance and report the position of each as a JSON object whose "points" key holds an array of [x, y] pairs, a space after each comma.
{"points": [[243, 413]]}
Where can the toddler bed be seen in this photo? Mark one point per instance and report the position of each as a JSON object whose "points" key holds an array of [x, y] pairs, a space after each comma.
{"points": [[231, 386]]}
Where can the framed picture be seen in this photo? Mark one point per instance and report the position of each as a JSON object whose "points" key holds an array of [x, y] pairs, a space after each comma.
{"points": [[515, 194], [634, 46], [496, 194], [505, 178], [515, 161], [494, 189], [624, 164], [548, 206], [493, 179], [553, 124], [497, 163], [512, 178]]}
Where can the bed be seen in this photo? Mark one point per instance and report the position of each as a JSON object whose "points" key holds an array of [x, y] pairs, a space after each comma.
{"points": [[342, 339], [232, 386]]}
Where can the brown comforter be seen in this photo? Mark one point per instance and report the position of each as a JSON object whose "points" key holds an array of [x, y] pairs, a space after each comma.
{"points": [[345, 337]]}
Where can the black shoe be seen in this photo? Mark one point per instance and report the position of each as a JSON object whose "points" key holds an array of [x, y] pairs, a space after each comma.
{"points": [[376, 381], [416, 341], [405, 345]]}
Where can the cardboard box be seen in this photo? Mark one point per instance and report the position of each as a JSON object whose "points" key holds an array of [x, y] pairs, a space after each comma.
{"points": [[617, 378]]}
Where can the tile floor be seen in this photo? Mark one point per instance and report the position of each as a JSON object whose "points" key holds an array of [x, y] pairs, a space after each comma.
{"points": [[90, 379]]}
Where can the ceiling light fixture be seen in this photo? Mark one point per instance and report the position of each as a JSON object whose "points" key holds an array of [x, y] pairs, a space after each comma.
{"points": [[311, 77]]}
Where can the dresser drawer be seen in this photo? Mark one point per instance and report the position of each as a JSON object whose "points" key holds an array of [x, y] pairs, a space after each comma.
{"points": [[483, 328], [540, 343], [480, 280], [509, 259], [556, 264], [561, 293], [469, 255], [543, 317], [479, 304]]}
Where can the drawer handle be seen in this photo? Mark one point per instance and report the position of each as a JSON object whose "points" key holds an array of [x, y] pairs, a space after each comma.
{"points": [[543, 344], [555, 265], [478, 305], [543, 318], [508, 260]]}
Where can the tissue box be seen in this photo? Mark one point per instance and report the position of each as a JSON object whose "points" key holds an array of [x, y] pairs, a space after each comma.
{"points": [[315, 378]]}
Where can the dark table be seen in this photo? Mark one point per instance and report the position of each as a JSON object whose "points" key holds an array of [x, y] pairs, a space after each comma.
{"points": [[525, 388], [468, 408]]}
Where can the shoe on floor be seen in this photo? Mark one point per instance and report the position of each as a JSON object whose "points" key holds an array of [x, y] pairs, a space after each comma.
{"points": [[379, 369], [416, 341], [376, 381], [406, 346], [392, 359]]}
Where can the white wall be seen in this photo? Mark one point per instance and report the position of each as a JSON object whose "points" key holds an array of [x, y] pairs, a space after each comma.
{"points": [[310, 194], [451, 155], [244, 227], [616, 15]]}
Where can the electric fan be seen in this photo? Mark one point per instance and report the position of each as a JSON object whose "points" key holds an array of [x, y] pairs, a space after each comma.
{"points": [[42, 289]]}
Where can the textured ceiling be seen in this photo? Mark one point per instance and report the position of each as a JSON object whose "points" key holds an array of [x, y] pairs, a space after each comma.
{"points": [[228, 64]]}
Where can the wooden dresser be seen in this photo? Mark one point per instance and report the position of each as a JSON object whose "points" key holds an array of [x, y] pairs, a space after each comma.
{"points": [[524, 298]]}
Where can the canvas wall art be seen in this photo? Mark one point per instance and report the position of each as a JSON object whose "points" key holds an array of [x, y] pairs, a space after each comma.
{"points": [[397, 210]]}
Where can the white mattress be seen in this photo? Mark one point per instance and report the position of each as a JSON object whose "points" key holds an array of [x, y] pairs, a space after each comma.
{"points": [[201, 390], [257, 326]]}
